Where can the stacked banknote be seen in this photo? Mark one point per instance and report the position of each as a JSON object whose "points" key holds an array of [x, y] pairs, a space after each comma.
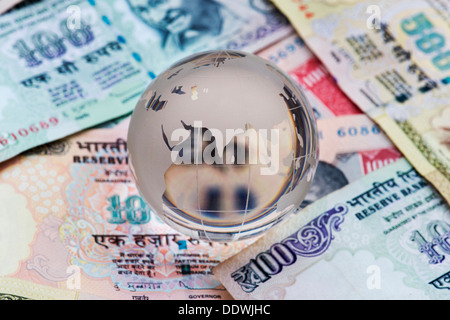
{"points": [[374, 225]]}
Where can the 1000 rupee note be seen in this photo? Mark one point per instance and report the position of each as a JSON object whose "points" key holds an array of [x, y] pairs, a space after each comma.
{"points": [[392, 58], [385, 236], [351, 144], [79, 223], [69, 65]]}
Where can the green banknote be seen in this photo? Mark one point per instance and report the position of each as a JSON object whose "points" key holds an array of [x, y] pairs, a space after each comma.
{"points": [[69, 65]]}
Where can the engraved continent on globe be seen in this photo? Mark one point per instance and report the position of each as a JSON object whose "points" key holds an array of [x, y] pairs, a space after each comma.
{"points": [[223, 145]]}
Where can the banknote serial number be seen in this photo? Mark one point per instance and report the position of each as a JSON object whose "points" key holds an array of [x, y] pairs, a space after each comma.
{"points": [[7, 139]]}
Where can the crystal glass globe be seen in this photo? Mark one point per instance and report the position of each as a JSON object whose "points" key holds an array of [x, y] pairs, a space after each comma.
{"points": [[223, 145]]}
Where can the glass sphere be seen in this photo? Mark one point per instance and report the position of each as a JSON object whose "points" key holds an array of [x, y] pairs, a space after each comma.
{"points": [[223, 145]]}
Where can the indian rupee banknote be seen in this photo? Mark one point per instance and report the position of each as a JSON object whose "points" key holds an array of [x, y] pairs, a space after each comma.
{"points": [[80, 224], [7, 4], [384, 236], [57, 79], [350, 147], [69, 65], [351, 144], [392, 58]]}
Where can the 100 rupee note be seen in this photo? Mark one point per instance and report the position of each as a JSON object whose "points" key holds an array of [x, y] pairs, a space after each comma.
{"points": [[392, 58], [57, 80], [385, 236]]}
